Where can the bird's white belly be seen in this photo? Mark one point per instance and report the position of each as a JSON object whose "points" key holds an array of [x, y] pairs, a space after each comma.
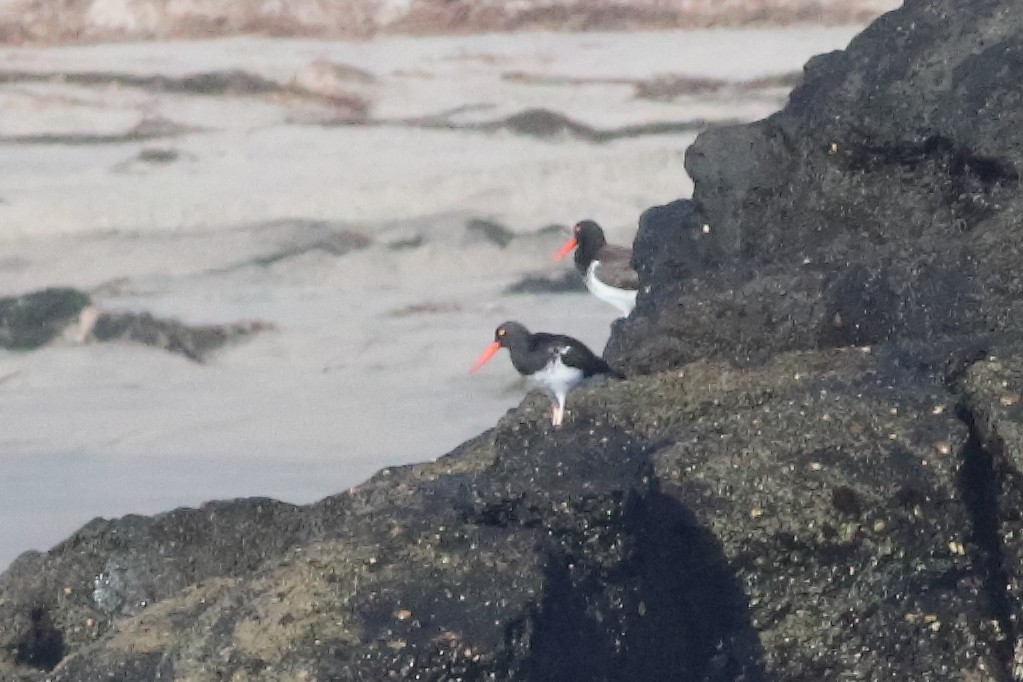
{"points": [[558, 378], [622, 299]]}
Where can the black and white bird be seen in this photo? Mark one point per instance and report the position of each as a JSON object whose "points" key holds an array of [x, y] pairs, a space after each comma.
{"points": [[606, 269], [554, 362]]}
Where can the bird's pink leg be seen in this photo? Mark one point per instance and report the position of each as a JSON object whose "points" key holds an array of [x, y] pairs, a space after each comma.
{"points": [[558, 412]]}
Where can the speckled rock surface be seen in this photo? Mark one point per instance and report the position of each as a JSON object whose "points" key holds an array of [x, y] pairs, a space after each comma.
{"points": [[113, 569], [802, 520], [812, 473], [882, 203], [993, 406]]}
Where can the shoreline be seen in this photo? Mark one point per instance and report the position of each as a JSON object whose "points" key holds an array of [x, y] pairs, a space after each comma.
{"points": [[246, 218]]}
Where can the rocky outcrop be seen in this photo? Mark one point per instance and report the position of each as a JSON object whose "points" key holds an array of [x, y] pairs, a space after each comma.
{"points": [[39, 20], [804, 517], [34, 319], [881, 204], [812, 472], [31, 320], [195, 342]]}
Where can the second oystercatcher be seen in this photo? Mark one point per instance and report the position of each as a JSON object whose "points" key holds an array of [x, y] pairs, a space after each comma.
{"points": [[606, 269], [554, 362]]}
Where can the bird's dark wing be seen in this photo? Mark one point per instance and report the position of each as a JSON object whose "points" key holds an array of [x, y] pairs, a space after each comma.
{"points": [[615, 268], [574, 353], [548, 344]]}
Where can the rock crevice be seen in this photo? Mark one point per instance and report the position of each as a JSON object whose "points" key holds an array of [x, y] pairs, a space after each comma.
{"points": [[980, 489]]}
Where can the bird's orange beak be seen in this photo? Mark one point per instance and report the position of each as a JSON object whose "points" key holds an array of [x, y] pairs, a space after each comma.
{"points": [[566, 248], [484, 356]]}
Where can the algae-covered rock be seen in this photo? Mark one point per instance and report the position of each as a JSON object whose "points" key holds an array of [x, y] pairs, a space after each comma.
{"points": [[30, 320], [196, 342]]}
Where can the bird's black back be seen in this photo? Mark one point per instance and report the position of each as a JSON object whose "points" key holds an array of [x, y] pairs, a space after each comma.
{"points": [[543, 345]]}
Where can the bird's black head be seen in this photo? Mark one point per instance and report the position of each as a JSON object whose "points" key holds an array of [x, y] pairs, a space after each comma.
{"points": [[511, 334], [591, 239]]}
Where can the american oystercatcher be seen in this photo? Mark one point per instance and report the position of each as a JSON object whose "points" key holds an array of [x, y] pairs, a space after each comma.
{"points": [[554, 362], [606, 269]]}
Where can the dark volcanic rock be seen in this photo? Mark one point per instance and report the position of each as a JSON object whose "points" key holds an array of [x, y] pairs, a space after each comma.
{"points": [[799, 521], [842, 503], [194, 342], [993, 407], [490, 231], [110, 569], [567, 282], [882, 203], [545, 123], [31, 320]]}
